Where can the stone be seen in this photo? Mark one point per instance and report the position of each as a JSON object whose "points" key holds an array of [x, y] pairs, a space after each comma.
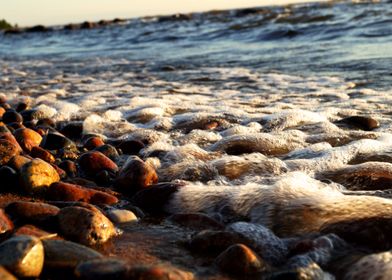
{"points": [[197, 221], [94, 162], [109, 151], [130, 147], [240, 260], [56, 141], [93, 142], [34, 231], [158, 272], [69, 167], [212, 242], [8, 179], [102, 269], [22, 255], [85, 226], [6, 224], [7, 151], [73, 130], [61, 191], [366, 123], [2, 111], [5, 275], [32, 212], [61, 254], [27, 138], [38, 152], [11, 116], [154, 198], [135, 175], [10, 137], [18, 161], [120, 216], [37, 175]]}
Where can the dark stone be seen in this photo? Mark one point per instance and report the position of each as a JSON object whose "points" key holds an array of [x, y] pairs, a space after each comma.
{"points": [[71, 26], [109, 151], [88, 25], [93, 142], [73, 130], [154, 198], [8, 179], [32, 212], [21, 106], [38, 152], [46, 122], [130, 147], [102, 269], [7, 151], [11, 116], [69, 167], [359, 122], [56, 141], [91, 163]]}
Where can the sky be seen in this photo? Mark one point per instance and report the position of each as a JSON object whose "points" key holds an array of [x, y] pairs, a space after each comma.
{"points": [[52, 12]]}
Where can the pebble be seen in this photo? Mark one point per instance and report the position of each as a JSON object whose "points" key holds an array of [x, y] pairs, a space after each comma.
{"points": [[6, 224], [239, 259], [120, 216], [93, 142], [56, 141], [361, 122], [158, 273], [102, 269], [109, 151], [62, 254], [32, 212], [69, 167], [61, 191], [211, 242], [8, 177], [4, 274], [34, 231], [154, 198], [22, 255], [130, 147], [85, 226], [7, 151], [27, 138], [37, 175], [38, 152], [11, 116], [135, 175], [93, 162], [18, 161], [10, 137]]}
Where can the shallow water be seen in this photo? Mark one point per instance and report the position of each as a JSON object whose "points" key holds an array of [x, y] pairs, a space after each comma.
{"points": [[228, 98]]}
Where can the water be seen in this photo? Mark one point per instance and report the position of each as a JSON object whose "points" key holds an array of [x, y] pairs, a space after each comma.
{"points": [[241, 104]]}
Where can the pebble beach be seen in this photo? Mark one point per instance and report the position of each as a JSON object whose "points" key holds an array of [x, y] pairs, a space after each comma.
{"points": [[240, 144]]}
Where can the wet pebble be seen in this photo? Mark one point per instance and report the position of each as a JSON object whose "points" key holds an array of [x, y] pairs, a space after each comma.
{"points": [[22, 255], [27, 138], [61, 254], [69, 167], [56, 141], [11, 116], [240, 260], [93, 142], [366, 123], [18, 161], [6, 275], [135, 175], [102, 269], [94, 162], [6, 224], [37, 175], [85, 226], [130, 147], [34, 231], [120, 216], [62, 191], [32, 212], [8, 178], [38, 152], [109, 151], [7, 151]]}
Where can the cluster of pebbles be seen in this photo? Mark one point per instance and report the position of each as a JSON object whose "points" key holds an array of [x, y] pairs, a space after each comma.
{"points": [[317, 205], [61, 199]]}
